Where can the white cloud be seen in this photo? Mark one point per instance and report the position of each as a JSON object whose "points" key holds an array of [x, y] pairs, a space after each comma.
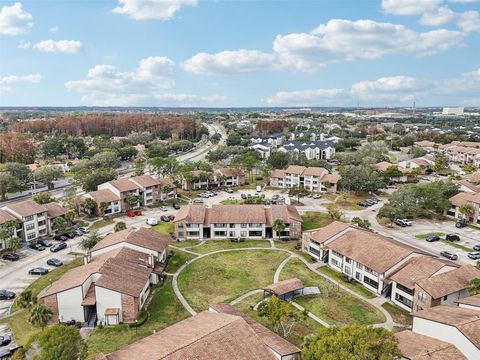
{"points": [[409, 7], [390, 90], [24, 44], [151, 9], [59, 46], [144, 85], [14, 79], [14, 20], [439, 16], [229, 62], [54, 29], [469, 21], [337, 40]]}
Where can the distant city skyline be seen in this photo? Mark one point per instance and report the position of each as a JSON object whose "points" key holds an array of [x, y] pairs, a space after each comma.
{"points": [[193, 53]]}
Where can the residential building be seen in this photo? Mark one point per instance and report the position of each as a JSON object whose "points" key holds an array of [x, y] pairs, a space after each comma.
{"points": [[264, 149], [465, 198], [315, 179], [107, 197], [275, 140], [451, 324], [236, 221], [415, 346], [425, 162], [359, 254], [473, 178], [313, 150], [114, 282], [446, 287], [384, 165], [221, 177], [428, 146], [470, 302], [4, 218], [467, 186], [220, 333]]}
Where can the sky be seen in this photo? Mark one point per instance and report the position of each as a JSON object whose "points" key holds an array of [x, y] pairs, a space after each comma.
{"points": [[240, 53]]}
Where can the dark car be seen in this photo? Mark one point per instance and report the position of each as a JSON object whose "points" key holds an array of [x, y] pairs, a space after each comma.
{"points": [[60, 238], [363, 203], [43, 242], [452, 237], [461, 224], [176, 206], [70, 235], [164, 218], [400, 223], [38, 271], [432, 238], [449, 255], [5, 340], [474, 255], [37, 246], [58, 247], [7, 295], [54, 262], [6, 354], [11, 257], [476, 248]]}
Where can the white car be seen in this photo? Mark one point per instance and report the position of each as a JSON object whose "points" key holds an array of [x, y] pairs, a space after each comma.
{"points": [[84, 229], [163, 208], [407, 222], [316, 196], [152, 221]]}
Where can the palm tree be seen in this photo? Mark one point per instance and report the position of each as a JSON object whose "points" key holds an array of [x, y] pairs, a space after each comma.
{"points": [[14, 243], [89, 204], [119, 226], [69, 216], [40, 315], [103, 207], [132, 199], [278, 226], [467, 210], [58, 223]]}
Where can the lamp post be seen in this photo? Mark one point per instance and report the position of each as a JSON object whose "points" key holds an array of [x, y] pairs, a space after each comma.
{"points": [[136, 328]]}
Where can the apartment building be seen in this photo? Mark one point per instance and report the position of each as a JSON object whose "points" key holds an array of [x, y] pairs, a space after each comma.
{"points": [[313, 150], [425, 162], [385, 165], [221, 177], [114, 282], [465, 198], [315, 179], [428, 146], [463, 152], [236, 221]]}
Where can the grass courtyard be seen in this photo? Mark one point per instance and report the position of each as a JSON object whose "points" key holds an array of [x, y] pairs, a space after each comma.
{"points": [[332, 305], [214, 245], [314, 220], [221, 278]]}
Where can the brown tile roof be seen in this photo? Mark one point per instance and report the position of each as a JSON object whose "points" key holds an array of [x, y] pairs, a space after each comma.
{"points": [[420, 347], [238, 214], [124, 185], [5, 216], [474, 177], [143, 237], [25, 208], [331, 178], [467, 321], [372, 250], [449, 282], [229, 172], [89, 298], [112, 311], [55, 209], [277, 173], [104, 195], [146, 181], [417, 269], [470, 300], [270, 339], [205, 336], [295, 169], [315, 171], [193, 214], [468, 185], [287, 213], [425, 143], [420, 162], [327, 232], [462, 198], [285, 286], [382, 166]]}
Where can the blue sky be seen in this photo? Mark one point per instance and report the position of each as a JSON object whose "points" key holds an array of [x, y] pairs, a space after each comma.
{"points": [[240, 53]]}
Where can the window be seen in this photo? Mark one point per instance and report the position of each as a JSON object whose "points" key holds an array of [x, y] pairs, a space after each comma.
{"points": [[347, 270], [193, 233], [254, 233], [231, 225], [232, 233], [244, 225], [255, 225], [220, 233], [180, 225], [31, 236], [243, 233], [29, 218], [337, 254], [422, 297], [42, 231], [30, 227], [358, 276], [335, 263], [348, 260], [404, 289], [180, 234], [403, 300], [445, 298], [193, 225], [220, 225], [314, 251], [370, 282]]}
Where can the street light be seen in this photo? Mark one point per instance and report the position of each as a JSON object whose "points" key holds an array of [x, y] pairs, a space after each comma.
{"points": [[136, 328]]}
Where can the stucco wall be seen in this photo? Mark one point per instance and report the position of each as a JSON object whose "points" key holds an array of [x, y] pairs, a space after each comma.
{"points": [[70, 305]]}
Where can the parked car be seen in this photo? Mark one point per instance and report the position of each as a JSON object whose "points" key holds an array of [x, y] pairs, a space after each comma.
{"points": [[400, 223], [163, 208], [58, 247], [70, 235], [84, 229], [452, 237], [43, 242], [476, 248], [5, 340], [461, 224], [407, 222], [176, 206], [60, 238], [78, 232], [36, 246], [38, 271], [164, 218], [197, 201], [152, 221], [11, 257], [432, 238], [134, 213], [6, 354], [449, 255], [474, 255], [7, 295], [316, 196], [54, 262], [228, 190], [244, 196]]}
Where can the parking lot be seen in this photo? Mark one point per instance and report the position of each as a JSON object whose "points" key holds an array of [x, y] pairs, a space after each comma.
{"points": [[7, 332]]}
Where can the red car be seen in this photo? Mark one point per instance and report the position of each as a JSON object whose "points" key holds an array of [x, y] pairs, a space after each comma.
{"points": [[134, 213]]}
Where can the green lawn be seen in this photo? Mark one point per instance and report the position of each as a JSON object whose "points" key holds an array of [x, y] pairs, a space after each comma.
{"points": [[358, 288], [305, 325], [178, 259], [21, 328], [458, 246], [424, 236], [223, 277], [399, 315], [213, 245], [185, 244], [164, 310], [164, 228], [290, 245], [332, 305], [314, 220], [349, 200], [101, 223]]}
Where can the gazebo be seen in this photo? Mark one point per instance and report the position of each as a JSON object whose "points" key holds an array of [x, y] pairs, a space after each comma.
{"points": [[286, 289]]}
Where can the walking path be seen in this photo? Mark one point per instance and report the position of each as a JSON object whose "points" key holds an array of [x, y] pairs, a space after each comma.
{"points": [[184, 249], [310, 315], [244, 296], [376, 302]]}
